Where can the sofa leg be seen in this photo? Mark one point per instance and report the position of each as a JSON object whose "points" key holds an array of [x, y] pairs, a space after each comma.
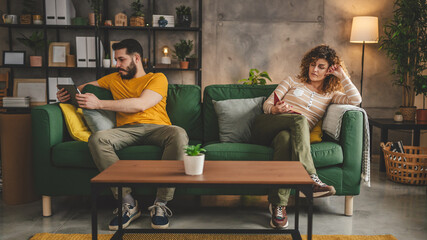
{"points": [[348, 205], [47, 206]]}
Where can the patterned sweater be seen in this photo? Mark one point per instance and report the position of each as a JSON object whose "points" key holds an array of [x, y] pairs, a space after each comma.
{"points": [[310, 104]]}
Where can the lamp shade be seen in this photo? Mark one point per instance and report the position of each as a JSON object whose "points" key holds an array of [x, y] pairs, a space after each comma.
{"points": [[364, 29]]}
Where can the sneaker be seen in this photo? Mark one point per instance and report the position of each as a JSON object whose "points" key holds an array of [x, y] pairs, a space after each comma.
{"points": [[320, 189], [130, 213], [279, 219], [159, 215]]}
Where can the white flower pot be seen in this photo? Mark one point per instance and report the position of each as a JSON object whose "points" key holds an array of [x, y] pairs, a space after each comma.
{"points": [[398, 118], [106, 63], [193, 165]]}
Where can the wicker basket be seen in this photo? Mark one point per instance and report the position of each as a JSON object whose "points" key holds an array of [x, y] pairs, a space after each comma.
{"points": [[407, 168]]}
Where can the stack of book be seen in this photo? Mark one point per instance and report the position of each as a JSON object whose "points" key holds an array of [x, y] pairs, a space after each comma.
{"points": [[16, 102]]}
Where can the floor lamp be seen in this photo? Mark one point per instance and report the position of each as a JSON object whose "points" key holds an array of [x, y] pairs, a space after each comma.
{"points": [[364, 30]]}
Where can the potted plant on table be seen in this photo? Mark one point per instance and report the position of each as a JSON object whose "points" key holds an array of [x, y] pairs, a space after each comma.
{"points": [[183, 15], [36, 43], [194, 159], [106, 62], [182, 50], [404, 42], [137, 18], [256, 78]]}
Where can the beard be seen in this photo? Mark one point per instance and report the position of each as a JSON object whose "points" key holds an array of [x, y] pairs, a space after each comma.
{"points": [[129, 72]]}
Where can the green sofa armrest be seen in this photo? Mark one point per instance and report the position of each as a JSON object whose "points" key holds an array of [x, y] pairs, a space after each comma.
{"points": [[351, 141]]}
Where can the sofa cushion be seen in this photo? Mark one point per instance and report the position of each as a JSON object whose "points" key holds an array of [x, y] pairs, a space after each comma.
{"points": [[75, 123], [235, 118], [98, 120], [237, 151], [326, 154], [223, 92]]}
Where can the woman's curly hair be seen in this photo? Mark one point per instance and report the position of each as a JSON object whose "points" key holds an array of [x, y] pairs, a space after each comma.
{"points": [[331, 83]]}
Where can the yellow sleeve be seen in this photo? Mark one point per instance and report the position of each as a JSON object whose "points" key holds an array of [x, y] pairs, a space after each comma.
{"points": [[159, 84]]}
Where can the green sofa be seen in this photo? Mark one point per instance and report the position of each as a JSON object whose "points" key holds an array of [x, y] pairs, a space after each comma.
{"points": [[64, 167]]}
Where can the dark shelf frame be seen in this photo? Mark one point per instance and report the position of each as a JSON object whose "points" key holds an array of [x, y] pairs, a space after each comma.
{"points": [[102, 32]]}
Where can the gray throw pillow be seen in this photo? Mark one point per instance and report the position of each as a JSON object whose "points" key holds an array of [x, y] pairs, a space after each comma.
{"points": [[235, 118], [98, 120]]}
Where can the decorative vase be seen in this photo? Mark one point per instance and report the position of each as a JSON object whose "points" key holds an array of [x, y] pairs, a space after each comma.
{"points": [[408, 113], [184, 20], [193, 165], [398, 118], [37, 19], [183, 64], [422, 116], [106, 63], [91, 19], [163, 22], [36, 61], [25, 19]]}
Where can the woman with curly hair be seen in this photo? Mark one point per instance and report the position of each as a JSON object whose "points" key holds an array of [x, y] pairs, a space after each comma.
{"points": [[302, 102]]}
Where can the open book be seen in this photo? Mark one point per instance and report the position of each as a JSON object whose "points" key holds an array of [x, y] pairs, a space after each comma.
{"points": [[277, 100]]}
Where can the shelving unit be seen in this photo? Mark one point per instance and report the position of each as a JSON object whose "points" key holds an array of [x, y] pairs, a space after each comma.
{"points": [[103, 33]]}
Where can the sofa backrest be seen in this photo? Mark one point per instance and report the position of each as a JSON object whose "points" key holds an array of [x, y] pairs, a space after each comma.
{"points": [[183, 106], [223, 92]]}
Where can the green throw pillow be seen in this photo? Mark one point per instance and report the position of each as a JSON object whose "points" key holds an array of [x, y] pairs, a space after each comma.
{"points": [[98, 120], [235, 118]]}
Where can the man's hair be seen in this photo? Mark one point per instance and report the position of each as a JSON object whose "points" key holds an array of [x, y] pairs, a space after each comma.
{"points": [[132, 46]]}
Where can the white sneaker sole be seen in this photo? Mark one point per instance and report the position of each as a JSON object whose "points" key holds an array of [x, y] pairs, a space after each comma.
{"points": [[115, 228]]}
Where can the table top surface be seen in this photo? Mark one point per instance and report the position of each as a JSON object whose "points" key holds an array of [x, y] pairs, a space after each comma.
{"points": [[390, 123], [214, 172]]}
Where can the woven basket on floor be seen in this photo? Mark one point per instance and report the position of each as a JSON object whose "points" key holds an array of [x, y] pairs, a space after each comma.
{"points": [[409, 167]]}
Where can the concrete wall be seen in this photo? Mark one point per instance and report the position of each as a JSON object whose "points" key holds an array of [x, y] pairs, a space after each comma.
{"points": [[271, 35]]}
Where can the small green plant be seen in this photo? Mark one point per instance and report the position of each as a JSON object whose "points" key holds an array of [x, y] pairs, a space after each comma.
{"points": [[96, 6], [183, 49], [183, 10], [107, 56], [256, 78], [137, 8], [35, 41], [162, 18], [194, 150], [397, 113]]}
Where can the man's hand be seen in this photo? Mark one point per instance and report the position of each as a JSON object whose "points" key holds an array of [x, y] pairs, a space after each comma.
{"points": [[63, 95], [88, 101], [281, 107]]}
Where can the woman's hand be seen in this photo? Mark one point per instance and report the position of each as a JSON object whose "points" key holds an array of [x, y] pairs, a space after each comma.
{"points": [[63, 95], [281, 107], [337, 71]]}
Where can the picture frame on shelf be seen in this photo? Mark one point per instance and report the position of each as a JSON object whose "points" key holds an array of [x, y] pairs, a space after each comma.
{"points": [[58, 52], [169, 18], [113, 61], [35, 88], [13, 58]]}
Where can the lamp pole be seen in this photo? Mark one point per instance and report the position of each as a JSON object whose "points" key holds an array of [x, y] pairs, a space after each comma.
{"points": [[361, 77]]}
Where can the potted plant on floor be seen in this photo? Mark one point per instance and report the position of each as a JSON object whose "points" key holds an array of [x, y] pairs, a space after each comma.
{"points": [[256, 78], [194, 159], [183, 15], [182, 50], [36, 43], [404, 42], [137, 18]]}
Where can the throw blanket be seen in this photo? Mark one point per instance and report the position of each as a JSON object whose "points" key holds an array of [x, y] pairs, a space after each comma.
{"points": [[332, 126]]}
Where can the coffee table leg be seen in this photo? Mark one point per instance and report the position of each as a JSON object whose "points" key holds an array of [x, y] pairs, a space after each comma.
{"points": [[296, 209], [120, 198], [309, 196], [94, 212]]}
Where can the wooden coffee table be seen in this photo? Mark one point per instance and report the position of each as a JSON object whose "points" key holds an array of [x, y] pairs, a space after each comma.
{"points": [[162, 173]]}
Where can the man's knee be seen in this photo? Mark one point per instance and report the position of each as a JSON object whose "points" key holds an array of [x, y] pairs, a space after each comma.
{"points": [[97, 138], [178, 134]]}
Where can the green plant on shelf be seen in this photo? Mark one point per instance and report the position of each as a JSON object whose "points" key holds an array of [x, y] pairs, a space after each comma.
{"points": [[137, 8], [35, 41], [183, 49]]}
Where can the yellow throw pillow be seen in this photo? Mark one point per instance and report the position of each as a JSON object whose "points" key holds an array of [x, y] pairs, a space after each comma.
{"points": [[75, 124], [316, 133]]}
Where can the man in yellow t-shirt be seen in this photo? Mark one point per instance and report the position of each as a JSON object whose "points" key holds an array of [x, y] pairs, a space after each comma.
{"points": [[141, 117]]}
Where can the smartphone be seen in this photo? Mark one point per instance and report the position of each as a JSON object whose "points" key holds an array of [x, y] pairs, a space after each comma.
{"points": [[72, 90], [276, 98]]}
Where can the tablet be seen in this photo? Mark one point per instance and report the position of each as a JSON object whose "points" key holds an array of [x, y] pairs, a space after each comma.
{"points": [[72, 90]]}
